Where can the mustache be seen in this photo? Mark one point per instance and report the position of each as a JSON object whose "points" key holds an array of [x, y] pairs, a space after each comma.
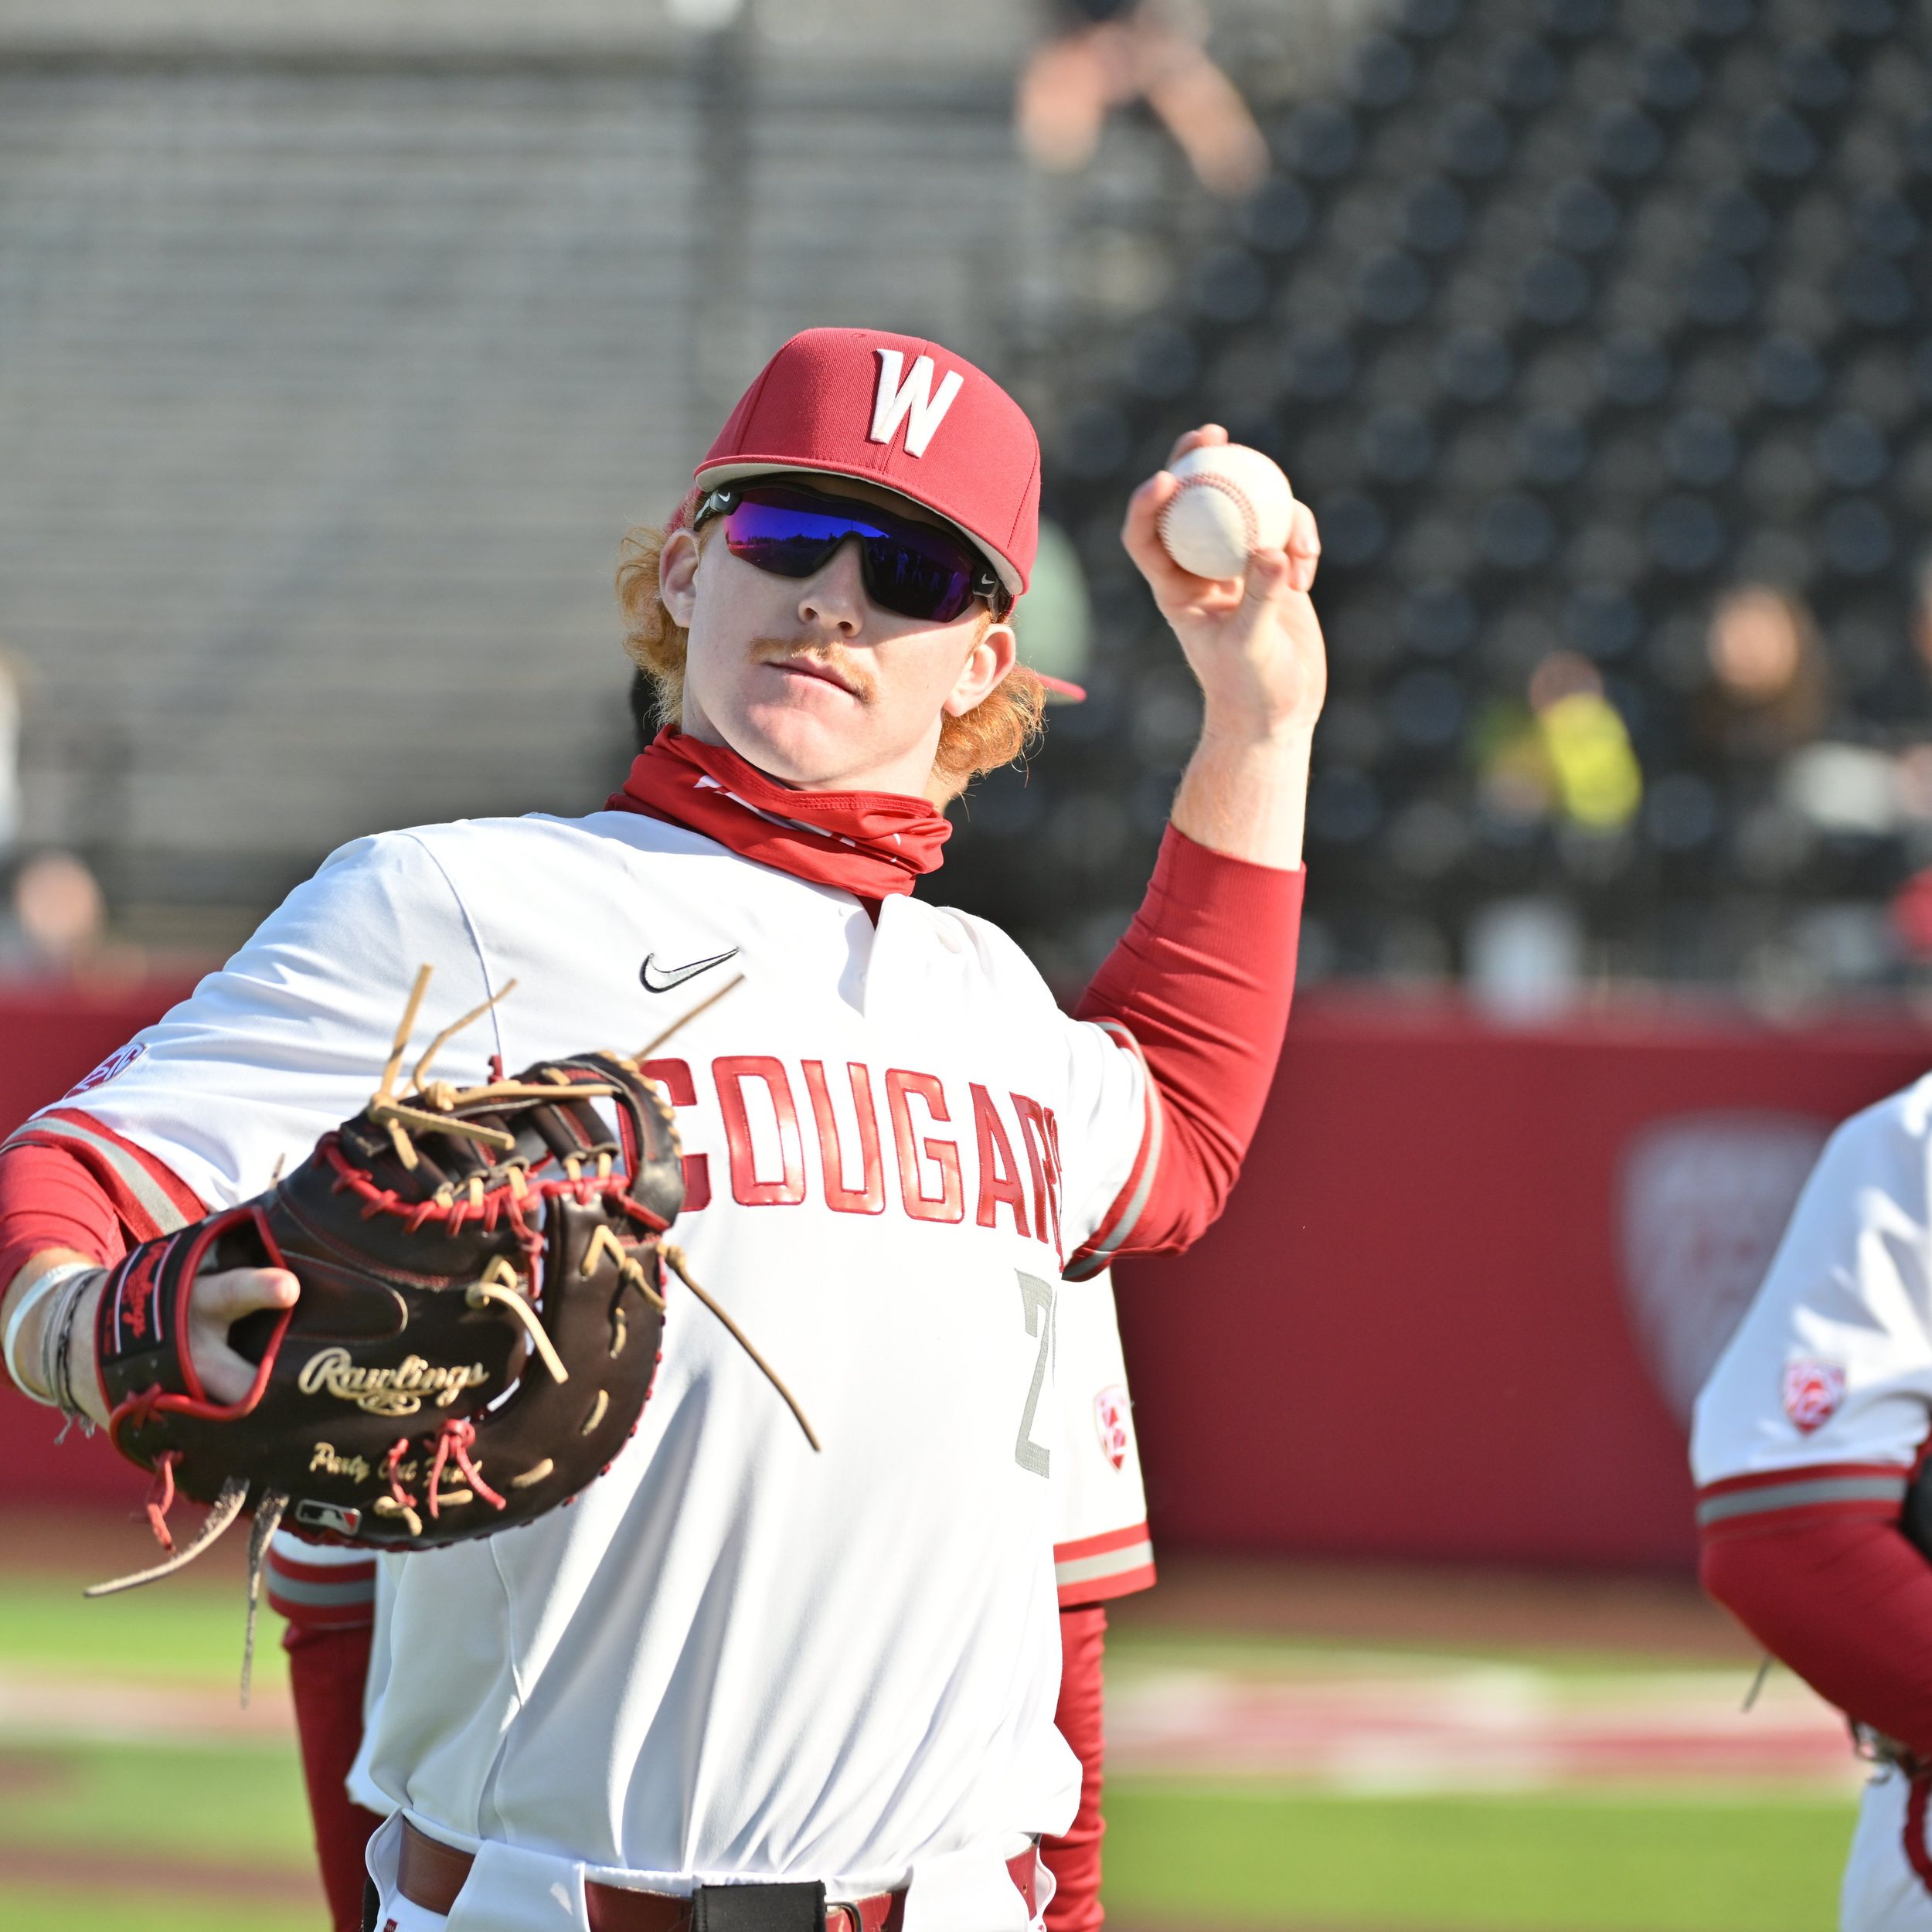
{"points": [[845, 668]]}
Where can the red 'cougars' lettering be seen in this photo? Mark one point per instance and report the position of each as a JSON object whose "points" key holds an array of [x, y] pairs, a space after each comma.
{"points": [[678, 1082], [998, 1171], [870, 1197], [757, 1102], [1037, 1130], [746, 1189], [948, 1203]]}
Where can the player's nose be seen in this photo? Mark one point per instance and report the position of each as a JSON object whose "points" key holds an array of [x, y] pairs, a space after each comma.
{"points": [[833, 599]]}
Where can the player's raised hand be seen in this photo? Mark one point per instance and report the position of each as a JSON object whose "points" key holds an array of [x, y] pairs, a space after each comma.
{"points": [[218, 1301], [1253, 642]]}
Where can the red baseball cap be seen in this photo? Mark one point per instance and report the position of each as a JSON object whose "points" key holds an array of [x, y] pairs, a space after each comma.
{"points": [[904, 414]]}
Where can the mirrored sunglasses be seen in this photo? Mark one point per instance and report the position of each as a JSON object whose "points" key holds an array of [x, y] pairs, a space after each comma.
{"points": [[917, 569]]}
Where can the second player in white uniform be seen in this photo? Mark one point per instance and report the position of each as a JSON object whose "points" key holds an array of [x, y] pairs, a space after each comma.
{"points": [[1807, 1433]]}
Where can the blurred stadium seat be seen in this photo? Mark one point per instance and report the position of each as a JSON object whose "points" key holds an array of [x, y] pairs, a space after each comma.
{"points": [[1568, 316]]}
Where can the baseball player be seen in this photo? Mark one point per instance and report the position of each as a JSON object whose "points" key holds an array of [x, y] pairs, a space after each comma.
{"points": [[738, 1684], [1806, 1436]]}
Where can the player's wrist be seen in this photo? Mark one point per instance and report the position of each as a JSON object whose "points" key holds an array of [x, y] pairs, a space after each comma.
{"points": [[1256, 725], [1246, 796], [1263, 706], [47, 1339]]}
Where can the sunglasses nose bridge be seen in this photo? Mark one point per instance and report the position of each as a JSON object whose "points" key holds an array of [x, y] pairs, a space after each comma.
{"points": [[837, 589]]}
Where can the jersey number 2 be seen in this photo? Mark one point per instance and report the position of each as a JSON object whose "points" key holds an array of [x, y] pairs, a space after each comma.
{"points": [[1036, 1299]]}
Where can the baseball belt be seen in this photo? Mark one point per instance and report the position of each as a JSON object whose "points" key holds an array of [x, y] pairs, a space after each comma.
{"points": [[430, 1874]]}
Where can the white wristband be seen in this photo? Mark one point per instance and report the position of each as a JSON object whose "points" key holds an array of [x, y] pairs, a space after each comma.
{"points": [[48, 1284]]}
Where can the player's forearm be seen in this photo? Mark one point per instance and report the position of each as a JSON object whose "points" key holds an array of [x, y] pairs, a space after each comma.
{"points": [[1245, 792], [1203, 979], [1845, 1603]]}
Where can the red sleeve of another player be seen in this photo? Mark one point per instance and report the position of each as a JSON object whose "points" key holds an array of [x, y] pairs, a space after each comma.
{"points": [[1840, 1597], [1074, 1860], [1202, 979]]}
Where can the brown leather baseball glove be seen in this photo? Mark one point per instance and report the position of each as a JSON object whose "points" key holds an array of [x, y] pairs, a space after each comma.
{"points": [[482, 1298]]}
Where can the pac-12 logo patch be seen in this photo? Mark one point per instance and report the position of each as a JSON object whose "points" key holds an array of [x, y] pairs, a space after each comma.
{"points": [[1813, 1391], [117, 1062], [1112, 1414]]}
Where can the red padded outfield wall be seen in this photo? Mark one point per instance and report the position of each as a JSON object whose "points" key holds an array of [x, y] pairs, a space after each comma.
{"points": [[1456, 1305], [1462, 1269]]}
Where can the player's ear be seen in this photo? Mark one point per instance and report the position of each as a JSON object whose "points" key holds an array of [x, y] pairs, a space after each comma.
{"points": [[994, 654], [678, 576]]}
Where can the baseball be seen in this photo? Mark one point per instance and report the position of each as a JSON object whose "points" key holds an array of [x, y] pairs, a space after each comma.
{"points": [[1232, 500]]}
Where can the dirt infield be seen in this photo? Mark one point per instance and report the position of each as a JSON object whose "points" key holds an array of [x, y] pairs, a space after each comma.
{"points": [[100, 1543], [103, 1870], [1310, 1597]]}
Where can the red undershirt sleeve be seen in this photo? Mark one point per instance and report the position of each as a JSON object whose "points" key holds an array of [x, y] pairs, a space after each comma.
{"points": [[48, 1198], [1202, 979], [327, 1670], [1074, 1858], [1845, 1600]]}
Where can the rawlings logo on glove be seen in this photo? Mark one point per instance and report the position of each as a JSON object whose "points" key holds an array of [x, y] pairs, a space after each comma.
{"points": [[387, 1392]]}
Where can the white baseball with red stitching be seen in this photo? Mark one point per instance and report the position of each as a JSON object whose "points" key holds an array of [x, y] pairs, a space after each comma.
{"points": [[1232, 500]]}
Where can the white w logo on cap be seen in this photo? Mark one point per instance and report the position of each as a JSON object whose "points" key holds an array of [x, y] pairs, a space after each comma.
{"points": [[910, 401]]}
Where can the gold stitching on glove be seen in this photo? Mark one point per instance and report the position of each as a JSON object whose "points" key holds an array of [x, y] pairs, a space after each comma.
{"points": [[389, 1506], [500, 1286]]}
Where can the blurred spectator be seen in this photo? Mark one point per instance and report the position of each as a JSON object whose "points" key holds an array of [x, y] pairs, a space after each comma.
{"points": [[59, 917], [1911, 906], [1597, 784], [1107, 54], [1767, 690], [1568, 758]]}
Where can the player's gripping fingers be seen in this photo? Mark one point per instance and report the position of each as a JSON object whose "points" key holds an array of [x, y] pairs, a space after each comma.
{"points": [[1194, 440], [1174, 589], [218, 1301], [1270, 575], [1304, 547]]}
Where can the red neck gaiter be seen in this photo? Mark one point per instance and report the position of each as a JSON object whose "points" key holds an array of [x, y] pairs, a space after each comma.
{"points": [[871, 844]]}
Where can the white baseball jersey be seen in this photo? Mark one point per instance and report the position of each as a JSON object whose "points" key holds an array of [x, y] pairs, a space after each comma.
{"points": [[1824, 1392], [1101, 1548], [1824, 1397], [730, 1658]]}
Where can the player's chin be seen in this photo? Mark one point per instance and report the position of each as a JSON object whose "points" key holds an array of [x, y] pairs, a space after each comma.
{"points": [[801, 741]]}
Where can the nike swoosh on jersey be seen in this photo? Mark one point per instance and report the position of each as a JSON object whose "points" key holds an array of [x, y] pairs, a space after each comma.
{"points": [[662, 979]]}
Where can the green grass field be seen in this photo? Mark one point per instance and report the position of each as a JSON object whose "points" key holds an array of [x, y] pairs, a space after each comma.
{"points": [[113, 1815]]}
